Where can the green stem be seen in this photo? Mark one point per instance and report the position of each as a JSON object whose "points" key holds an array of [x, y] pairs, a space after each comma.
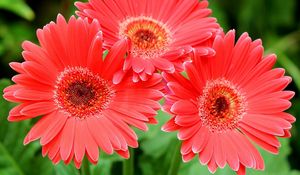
{"points": [[176, 161], [85, 168], [128, 165]]}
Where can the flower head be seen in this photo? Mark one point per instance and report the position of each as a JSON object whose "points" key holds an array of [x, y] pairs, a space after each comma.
{"points": [[69, 84], [162, 32], [227, 102]]}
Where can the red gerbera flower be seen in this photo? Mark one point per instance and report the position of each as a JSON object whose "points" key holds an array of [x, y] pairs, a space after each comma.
{"points": [[227, 102], [162, 32], [66, 81]]}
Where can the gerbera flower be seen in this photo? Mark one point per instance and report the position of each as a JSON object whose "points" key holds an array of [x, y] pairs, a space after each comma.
{"points": [[228, 102], [162, 32], [66, 81]]}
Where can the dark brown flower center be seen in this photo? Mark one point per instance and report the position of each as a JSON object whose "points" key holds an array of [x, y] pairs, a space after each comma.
{"points": [[149, 37], [221, 106], [81, 93]]}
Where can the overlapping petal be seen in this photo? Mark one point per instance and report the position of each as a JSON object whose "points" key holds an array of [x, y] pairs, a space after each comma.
{"points": [[238, 72], [72, 50], [179, 28]]}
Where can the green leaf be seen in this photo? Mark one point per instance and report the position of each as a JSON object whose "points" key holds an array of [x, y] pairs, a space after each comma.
{"points": [[105, 164], [158, 148], [11, 36], [44, 165], [154, 140], [62, 169], [18, 7]]}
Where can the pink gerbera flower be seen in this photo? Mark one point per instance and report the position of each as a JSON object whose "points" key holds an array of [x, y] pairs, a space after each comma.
{"points": [[162, 32], [227, 103], [66, 81]]}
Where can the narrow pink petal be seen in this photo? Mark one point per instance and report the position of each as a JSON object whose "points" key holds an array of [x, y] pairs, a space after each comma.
{"points": [[91, 146], [200, 140], [59, 121], [39, 108], [170, 126], [115, 136], [265, 65], [67, 142], [187, 120], [231, 152], [26, 94], [184, 107], [262, 123], [124, 154], [128, 111], [242, 170], [206, 154], [143, 93], [56, 159], [114, 59], [17, 67], [138, 64], [262, 143], [28, 82], [95, 50], [180, 91], [136, 123], [212, 166], [54, 146], [99, 134], [186, 146], [38, 130], [188, 157], [268, 138], [118, 76], [269, 106], [188, 132], [128, 134], [38, 72], [245, 157], [220, 152], [68, 161], [79, 141], [163, 64]]}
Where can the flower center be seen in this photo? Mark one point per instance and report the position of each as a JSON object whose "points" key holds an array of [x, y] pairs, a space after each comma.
{"points": [[80, 93], [150, 38], [221, 106]]}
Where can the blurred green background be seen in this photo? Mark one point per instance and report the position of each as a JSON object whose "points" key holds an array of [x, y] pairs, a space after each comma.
{"points": [[277, 22]]}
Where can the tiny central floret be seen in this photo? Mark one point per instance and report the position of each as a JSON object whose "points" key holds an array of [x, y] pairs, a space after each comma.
{"points": [[150, 38], [81, 93], [221, 106]]}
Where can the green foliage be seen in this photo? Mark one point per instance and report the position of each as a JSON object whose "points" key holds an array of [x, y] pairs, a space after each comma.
{"points": [[11, 37], [18, 7]]}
